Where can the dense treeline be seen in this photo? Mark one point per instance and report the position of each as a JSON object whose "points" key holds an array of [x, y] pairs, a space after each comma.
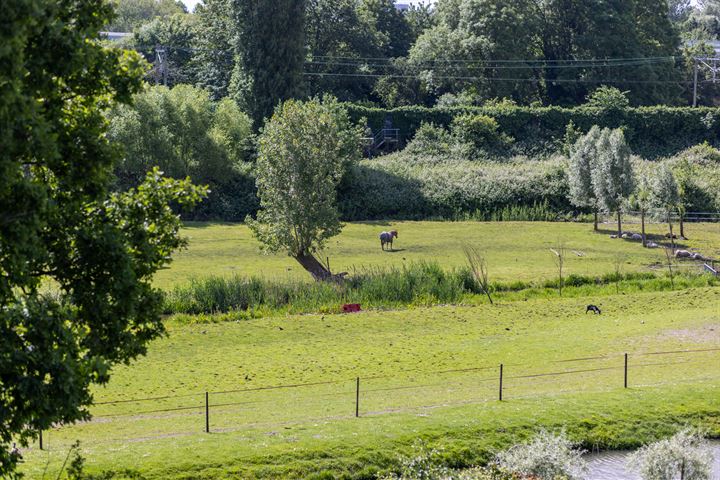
{"points": [[651, 131], [471, 168], [185, 133], [551, 52], [482, 83]]}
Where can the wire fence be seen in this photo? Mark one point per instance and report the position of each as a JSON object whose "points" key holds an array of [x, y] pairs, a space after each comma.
{"points": [[274, 406], [659, 216]]}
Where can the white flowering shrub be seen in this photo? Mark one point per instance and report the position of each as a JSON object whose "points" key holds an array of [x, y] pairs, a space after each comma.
{"points": [[546, 457], [686, 455]]}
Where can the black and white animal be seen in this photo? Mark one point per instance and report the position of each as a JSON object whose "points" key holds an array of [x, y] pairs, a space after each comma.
{"points": [[386, 238], [594, 309]]}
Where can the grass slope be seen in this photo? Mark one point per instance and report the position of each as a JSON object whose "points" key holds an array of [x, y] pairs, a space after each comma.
{"points": [[306, 430], [514, 250]]}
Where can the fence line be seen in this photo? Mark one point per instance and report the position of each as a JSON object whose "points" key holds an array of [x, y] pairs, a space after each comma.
{"points": [[379, 377], [365, 394]]}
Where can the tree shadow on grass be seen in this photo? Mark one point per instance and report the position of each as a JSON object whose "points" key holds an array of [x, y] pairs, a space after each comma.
{"points": [[660, 239]]}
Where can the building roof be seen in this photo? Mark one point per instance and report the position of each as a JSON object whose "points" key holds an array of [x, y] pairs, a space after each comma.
{"points": [[115, 36]]}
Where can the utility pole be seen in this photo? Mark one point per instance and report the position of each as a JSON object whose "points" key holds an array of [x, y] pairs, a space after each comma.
{"points": [[161, 66], [695, 82], [709, 64]]}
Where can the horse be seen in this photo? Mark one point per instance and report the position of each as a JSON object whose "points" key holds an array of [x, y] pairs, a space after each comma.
{"points": [[594, 309], [387, 238]]}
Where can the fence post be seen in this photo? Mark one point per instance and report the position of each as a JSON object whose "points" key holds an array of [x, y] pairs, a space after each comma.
{"points": [[626, 369], [357, 397], [501, 382], [40, 439], [207, 412]]}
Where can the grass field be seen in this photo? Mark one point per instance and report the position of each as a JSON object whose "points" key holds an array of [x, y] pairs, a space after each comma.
{"points": [[514, 250], [404, 360]]}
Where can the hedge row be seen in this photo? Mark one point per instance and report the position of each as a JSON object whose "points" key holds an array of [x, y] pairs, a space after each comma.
{"points": [[651, 131], [401, 186]]}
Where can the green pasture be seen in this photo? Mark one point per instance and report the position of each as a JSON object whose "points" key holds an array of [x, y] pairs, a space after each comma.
{"points": [[514, 250], [424, 372]]}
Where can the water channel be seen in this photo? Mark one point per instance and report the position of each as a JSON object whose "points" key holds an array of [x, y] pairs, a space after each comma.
{"points": [[612, 465]]}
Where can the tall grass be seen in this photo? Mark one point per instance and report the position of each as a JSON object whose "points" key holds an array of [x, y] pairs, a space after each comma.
{"points": [[417, 284], [424, 283]]}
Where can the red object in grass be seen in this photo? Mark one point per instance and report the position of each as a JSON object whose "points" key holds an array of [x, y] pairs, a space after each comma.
{"points": [[351, 307]]}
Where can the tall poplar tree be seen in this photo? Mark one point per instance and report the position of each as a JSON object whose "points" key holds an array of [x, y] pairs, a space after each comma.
{"points": [[270, 48]]}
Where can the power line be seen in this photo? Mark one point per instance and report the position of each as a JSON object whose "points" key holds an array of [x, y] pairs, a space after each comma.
{"points": [[471, 66], [569, 60], [499, 79]]}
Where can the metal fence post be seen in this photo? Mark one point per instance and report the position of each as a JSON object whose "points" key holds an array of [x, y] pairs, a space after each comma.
{"points": [[626, 369], [357, 397], [500, 391], [207, 412]]}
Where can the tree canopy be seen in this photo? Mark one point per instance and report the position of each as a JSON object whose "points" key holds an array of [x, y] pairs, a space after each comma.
{"points": [[131, 14], [60, 225], [270, 47], [297, 180]]}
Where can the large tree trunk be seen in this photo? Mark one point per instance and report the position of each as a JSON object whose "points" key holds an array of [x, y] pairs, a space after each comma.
{"points": [[642, 222], [619, 215], [595, 213], [314, 267]]}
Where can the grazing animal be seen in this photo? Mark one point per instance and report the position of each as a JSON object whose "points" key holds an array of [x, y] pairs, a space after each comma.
{"points": [[594, 309], [386, 238]]}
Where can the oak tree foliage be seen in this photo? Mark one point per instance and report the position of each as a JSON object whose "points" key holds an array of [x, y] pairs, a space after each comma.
{"points": [[76, 261]]}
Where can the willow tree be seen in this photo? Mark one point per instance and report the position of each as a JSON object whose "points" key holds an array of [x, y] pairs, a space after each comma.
{"points": [[303, 153], [642, 199], [666, 196], [582, 161], [612, 176]]}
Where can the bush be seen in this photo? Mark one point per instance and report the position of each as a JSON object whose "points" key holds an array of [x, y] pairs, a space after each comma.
{"points": [[432, 140], [703, 155], [185, 133], [608, 98], [415, 187], [545, 457], [685, 455], [480, 135]]}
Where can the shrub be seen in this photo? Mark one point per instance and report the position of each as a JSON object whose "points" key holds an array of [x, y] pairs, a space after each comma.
{"points": [[481, 135], [545, 457], [685, 455], [431, 139], [185, 133], [412, 187], [608, 98], [427, 464], [703, 154]]}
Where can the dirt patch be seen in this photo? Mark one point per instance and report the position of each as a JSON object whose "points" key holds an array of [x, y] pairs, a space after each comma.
{"points": [[704, 334]]}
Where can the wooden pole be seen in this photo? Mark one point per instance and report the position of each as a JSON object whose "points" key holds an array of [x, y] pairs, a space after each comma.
{"points": [[626, 369], [207, 412], [500, 390], [357, 397], [695, 83]]}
